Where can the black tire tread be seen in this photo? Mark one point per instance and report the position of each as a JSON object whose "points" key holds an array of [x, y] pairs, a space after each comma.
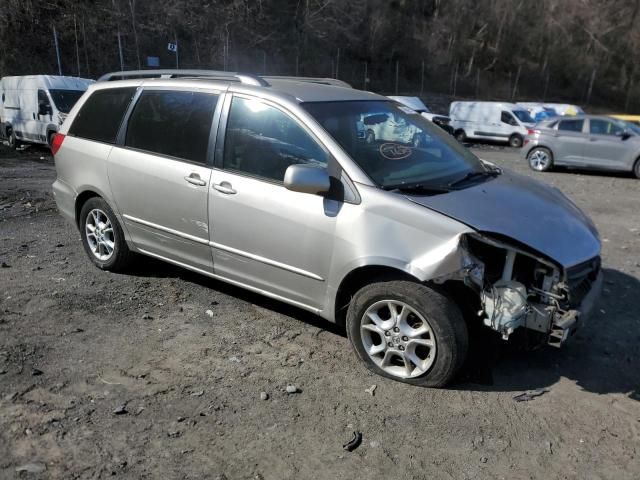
{"points": [[442, 313]]}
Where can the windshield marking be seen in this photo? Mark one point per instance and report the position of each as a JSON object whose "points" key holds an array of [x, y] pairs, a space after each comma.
{"points": [[395, 151]]}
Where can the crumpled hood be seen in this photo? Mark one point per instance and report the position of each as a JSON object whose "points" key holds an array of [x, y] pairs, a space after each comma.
{"points": [[523, 209]]}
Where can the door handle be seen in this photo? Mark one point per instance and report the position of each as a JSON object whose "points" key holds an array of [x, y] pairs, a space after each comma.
{"points": [[593, 139], [194, 179], [224, 187]]}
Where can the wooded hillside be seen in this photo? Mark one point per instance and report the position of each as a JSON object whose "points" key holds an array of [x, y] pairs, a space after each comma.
{"points": [[583, 51]]}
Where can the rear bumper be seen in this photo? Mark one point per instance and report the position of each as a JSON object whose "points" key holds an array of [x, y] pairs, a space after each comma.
{"points": [[562, 329], [65, 198]]}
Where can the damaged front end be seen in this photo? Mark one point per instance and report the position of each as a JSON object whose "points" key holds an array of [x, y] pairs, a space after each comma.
{"points": [[518, 288]]}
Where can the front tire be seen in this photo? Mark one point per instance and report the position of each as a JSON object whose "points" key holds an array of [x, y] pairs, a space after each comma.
{"points": [[102, 236], [636, 169], [407, 332], [461, 136], [540, 159]]}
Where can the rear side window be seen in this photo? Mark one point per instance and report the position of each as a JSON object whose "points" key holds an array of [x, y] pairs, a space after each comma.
{"points": [[173, 123], [101, 115], [571, 125]]}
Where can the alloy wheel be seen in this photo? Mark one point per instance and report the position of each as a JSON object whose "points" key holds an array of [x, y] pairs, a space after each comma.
{"points": [[539, 160], [99, 233], [398, 339]]}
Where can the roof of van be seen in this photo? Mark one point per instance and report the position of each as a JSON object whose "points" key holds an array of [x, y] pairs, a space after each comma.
{"points": [[313, 92], [290, 88], [47, 81], [510, 106]]}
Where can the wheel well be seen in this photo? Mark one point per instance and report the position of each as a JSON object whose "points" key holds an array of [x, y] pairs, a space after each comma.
{"points": [[539, 146], [357, 279], [81, 200]]}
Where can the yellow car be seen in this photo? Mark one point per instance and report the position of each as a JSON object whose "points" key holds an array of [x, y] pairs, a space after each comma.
{"points": [[628, 118]]}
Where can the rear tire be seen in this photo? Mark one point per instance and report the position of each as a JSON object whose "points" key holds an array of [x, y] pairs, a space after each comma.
{"points": [[636, 168], [50, 136], [540, 159], [515, 141], [102, 236], [460, 136], [425, 343], [12, 140]]}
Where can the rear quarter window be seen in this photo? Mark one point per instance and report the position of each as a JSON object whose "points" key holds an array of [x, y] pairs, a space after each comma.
{"points": [[100, 117], [571, 125]]}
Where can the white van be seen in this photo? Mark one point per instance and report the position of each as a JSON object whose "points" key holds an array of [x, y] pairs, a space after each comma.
{"points": [[33, 107], [415, 103], [497, 121]]}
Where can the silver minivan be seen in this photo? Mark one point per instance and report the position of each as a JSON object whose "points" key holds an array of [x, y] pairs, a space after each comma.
{"points": [[269, 185]]}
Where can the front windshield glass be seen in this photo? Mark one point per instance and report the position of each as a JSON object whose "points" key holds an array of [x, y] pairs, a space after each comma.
{"points": [[523, 116], [65, 99], [394, 145]]}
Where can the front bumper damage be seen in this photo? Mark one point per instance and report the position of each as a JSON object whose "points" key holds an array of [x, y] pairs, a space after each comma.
{"points": [[520, 289]]}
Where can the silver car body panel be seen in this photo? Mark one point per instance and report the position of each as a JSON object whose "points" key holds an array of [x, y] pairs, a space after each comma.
{"points": [[555, 226], [299, 247]]}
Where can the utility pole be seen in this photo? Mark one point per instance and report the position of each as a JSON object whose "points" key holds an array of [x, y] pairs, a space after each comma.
{"points": [[337, 62], [591, 82], [55, 41], [84, 44], [422, 79], [364, 82], [515, 85], [132, 6], [177, 49], [118, 33], [75, 32], [397, 74]]}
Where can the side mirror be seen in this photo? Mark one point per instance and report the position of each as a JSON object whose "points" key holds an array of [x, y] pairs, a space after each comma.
{"points": [[306, 179], [625, 134]]}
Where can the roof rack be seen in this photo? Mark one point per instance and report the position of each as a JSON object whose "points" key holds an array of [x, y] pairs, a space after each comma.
{"points": [[319, 80], [246, 78], [211, 74]]}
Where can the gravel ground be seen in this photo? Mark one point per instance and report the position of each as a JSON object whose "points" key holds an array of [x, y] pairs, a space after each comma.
{"points": [[107, 375]]}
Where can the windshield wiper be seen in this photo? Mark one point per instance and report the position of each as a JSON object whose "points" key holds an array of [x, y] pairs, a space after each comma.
{"points": [[494, 172], [417, 188]]}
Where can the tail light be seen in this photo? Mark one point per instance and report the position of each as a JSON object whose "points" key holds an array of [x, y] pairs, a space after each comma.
{"points": [[58, 138], [531, 131]]}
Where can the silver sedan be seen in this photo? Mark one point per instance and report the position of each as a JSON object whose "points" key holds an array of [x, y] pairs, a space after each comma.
{"points": [[586, 141]]}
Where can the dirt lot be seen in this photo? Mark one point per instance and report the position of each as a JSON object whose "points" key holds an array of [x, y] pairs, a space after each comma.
{"points": [[77, 343]]}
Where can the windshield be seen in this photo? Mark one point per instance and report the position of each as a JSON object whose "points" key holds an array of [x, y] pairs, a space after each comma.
{"points": [[399, 147], [523, 116], [65, 99]]}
